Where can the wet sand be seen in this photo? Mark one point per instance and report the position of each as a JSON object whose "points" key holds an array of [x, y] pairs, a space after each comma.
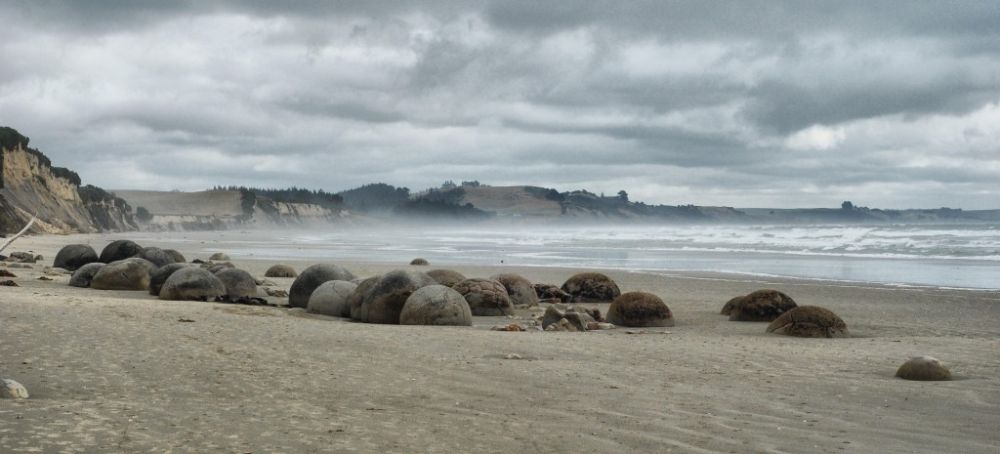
{"points": [[123, 371]]}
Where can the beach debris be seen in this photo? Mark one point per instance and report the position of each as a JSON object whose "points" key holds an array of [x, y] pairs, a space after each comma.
{"points": [[578, 316], [486, 297], [127, 274], [17, 235], [219, 257], [591, 287], [276, 293], [923, 368], [280, 270], [312, 277], [332, 298], [10, 389], [808, 321], [85, 274], [239, 283], [185, 320], [55, 271], [244, 300], [563, 325], [520, 290], [160, 276], [512, 356], [548, 293], [447, 278], [643, 331], [436, 305], [5, 273], [513, 327], [190, 283], [119, 250], [419, 262], [72, 256], [761, 306], [386, 299], [9, 283], [640, 309]]}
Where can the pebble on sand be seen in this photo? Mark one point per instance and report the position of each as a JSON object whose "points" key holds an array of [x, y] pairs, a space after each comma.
{"points": [[11, 389]]}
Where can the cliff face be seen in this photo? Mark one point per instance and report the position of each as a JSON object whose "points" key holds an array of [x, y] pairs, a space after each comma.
{"points": [[31, 186]]}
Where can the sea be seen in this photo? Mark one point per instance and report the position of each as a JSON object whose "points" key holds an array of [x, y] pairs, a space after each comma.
{"points": [[944, 256]]}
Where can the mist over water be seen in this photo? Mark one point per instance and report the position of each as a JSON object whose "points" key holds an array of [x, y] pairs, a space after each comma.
{"points": [[952, 255]]}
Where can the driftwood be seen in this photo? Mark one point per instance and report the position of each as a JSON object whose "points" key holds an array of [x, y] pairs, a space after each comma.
{"points": [[25, 229]]}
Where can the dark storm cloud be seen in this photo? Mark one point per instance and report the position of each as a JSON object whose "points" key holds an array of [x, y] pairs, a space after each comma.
{"points": [[738, 103]]}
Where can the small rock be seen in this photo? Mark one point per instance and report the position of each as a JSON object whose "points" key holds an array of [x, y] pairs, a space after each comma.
{"points": [[5, 273], [562, 325], [513, 356], [9, 283], [510, 327], [277, 293], [923, 368], [603, 325], [44, 278], [11, 389]]}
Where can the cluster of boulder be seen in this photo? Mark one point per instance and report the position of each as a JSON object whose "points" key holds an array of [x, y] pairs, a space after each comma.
{"points": [[785, 316]]}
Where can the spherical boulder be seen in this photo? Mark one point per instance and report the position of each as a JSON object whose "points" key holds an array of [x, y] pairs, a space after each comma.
{"points": [[280, 271], [192, 283], [119, 250], [486, 297], [332, 298], [639, 309], [72, 256], [10, 389], [761, 306], [219, 257], [158, 256], [385, 300], [160, 276], [127, 274], [85, 274], [808, 321], [239, 283], [591, 287], [176, 255], [359, 311], [446, 278], [519, 289], [436, 305], [923, 368], [728, 307], [310, 278], [419, 262]]}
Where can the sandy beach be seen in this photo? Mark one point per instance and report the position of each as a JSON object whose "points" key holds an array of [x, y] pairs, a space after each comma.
{"points": [[125, 372]]}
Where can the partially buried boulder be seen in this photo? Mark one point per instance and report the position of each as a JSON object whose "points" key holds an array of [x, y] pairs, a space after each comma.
{"points": [[10, 389], [419, 262], [176, 255], [639, 309], [728, 307], [385, 300], [548, 293], [280, 271], [71, 257], [923, 368], [591, 287], [519, 289], [157, 256], [192, 283], [446, 278], [219, 257], [761, 306], [85, 274], [127, 274], [356, 301], [239, 283], [119, 250], [332, 298], [160, 276], [808, 321], [436, 305], [486, 297], [310, 278]]}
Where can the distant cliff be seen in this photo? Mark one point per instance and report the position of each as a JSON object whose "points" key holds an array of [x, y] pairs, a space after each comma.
{"points": [[30, 185]]}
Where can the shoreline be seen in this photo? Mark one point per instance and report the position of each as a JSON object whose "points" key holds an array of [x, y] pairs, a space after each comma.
{"points": [[125, 371]]}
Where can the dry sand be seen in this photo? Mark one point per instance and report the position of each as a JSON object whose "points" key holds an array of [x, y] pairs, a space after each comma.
{"points": [[124, 372]]}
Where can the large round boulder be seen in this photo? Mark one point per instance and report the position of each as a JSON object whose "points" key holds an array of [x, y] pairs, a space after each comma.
{"points": [[192, 283], [385, 300], [239, 283], [808, 321], [639, 309], [486, 297], [158, 256], [923, 368], [519, 289], [446, 278], [161, 274], [71, 257], [85, 274], [436, 305], [280, 271], [761, 306], [176, 255], [591, 287], [310, 278], [127, 274], [356, 300], [332, 298], [119, 250], [728, 307]]}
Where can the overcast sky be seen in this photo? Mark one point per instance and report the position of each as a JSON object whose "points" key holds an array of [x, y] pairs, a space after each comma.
{"points": [[748, 104]]}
